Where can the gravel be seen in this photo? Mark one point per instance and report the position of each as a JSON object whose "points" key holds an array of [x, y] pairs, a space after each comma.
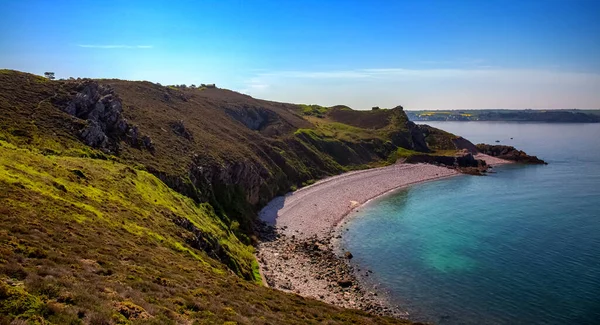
{"points": [[317, 209], [299, 251]]}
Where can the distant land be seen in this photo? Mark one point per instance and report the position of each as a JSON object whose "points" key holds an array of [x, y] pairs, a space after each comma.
{"points": [[526, 115]]}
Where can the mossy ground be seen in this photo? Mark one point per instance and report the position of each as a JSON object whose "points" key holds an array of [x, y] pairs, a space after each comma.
{"points": [[86, 240]]}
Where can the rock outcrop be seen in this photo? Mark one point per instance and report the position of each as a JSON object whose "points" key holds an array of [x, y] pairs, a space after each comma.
{"points": [[254, 118], [508, 153], [257, 118], [460, 160], [462, 143], [180, 129], [102, 110], [316, 271], [231, 182]]}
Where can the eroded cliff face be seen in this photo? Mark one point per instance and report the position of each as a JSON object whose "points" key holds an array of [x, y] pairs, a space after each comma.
{"points": [[229, 179]]}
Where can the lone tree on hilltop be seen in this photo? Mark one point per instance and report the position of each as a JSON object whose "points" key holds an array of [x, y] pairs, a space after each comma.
{"points": [[49, 75], [374, 108]]}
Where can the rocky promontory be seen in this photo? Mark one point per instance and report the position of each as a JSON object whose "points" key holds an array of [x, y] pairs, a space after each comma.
{"points": [[509, 153]]}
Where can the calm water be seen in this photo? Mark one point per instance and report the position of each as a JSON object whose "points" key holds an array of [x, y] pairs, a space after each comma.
{"points": [[521, 246]]}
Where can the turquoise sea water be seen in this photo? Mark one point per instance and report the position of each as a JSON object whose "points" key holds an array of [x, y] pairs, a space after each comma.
{"points": [[521, 246]]}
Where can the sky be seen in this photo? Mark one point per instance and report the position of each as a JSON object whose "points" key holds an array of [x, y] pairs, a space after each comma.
{"points": [[418, 54]]}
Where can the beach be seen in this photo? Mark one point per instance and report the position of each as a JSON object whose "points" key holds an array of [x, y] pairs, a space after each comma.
{"points": [[298, 250]]}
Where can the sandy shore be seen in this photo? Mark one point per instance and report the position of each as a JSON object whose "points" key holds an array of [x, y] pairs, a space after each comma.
{"points": [[297, 252], [315, 210], [492, 161]]}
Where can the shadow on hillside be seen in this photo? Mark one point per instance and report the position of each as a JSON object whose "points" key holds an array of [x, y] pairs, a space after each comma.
{"points": [[267, 218]]}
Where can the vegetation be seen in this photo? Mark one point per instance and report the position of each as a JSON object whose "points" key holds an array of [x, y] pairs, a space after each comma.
{"points": [[313, 110], [402, 153], [120, 233], [95, 241]]}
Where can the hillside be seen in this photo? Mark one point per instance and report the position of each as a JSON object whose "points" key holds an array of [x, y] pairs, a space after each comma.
{"points": [[134, 202], [212, 145]]}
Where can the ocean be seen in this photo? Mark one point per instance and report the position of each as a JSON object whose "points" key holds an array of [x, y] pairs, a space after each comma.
{"points": [[519, 246]]}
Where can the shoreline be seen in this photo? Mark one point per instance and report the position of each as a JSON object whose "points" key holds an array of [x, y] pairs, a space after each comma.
{"points": [[300, 248]]}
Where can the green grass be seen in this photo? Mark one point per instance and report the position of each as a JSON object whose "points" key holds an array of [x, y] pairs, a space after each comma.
{"points": [[106, 185], [313, 110], [401, 154], [87, 240], [405, 153], [347, 132]]}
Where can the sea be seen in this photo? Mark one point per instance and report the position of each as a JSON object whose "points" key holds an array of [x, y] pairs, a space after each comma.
{"points": [[518, 246]]}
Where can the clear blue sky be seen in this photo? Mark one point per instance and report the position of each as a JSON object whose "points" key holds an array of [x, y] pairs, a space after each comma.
{"points": [[419, 54]]}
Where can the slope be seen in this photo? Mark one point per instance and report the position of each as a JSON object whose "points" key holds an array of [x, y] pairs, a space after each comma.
{"points": [[134, 202], [212, 145], [95, 241]]}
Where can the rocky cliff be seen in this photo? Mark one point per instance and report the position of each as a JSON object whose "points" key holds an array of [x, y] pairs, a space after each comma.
{"points": [[509, 153]]}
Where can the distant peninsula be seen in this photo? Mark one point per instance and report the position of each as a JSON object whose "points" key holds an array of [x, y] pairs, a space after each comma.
{"points": [[526, 115]]}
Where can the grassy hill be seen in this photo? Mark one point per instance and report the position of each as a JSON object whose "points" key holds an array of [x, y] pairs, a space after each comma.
{"points": [[132, 202]]}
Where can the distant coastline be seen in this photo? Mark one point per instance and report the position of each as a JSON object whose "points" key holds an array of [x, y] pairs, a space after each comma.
{"points": [[527, 115]]}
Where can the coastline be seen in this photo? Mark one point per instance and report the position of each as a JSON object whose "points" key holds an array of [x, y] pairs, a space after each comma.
{"points": [[299, 250], [316, 209]]}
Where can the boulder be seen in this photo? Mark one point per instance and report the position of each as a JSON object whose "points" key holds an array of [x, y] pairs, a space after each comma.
{"points": [[345, 282]]}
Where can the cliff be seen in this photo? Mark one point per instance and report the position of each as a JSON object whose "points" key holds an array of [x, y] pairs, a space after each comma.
{"points": [[131, 202]]}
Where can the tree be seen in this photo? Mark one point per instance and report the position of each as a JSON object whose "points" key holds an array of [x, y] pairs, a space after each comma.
{"points": [[374, 108], [49, 75]]}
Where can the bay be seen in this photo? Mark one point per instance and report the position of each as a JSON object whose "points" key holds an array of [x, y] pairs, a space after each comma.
{"points": [[519, 246]]}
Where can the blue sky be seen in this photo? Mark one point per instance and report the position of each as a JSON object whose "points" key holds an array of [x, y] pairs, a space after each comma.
{"points": [[419, 54]]}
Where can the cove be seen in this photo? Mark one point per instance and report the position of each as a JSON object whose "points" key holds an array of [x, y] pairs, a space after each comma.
{"points": [[520, 246]]}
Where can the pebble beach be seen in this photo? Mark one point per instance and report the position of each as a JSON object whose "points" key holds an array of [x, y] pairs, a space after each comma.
{"points": [[298, 252]]}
